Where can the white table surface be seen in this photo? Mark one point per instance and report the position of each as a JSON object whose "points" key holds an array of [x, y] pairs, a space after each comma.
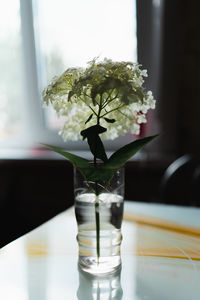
{"points": [[160, 259]]}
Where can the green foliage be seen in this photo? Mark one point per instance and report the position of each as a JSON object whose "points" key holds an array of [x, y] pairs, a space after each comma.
{"points": [[94, 141], [110, 120], [105, 171], [76, 160], [122, 155], [88, 120]]}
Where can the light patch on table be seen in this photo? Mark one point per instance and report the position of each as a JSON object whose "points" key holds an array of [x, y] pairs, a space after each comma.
{"points": [[36, 249], [56, 237], [154, 237]]}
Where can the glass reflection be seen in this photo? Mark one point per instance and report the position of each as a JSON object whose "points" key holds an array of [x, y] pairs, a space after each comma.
{"points": [[93, 287]]}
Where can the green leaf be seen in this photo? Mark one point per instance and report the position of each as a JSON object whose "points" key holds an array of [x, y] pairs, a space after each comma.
{"points": [[88, 170], [88, 120], [97, 147], [76, 160], [93, 130], [109, 120], [121, 156], [94, 141], [99, 174], [105, 171], [104, 86], [70, 94]]}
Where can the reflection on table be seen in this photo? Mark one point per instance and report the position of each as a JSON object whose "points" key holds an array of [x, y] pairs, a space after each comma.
{"points": [[99, 287]]}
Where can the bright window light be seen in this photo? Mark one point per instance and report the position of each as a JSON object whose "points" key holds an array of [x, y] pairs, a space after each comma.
{"points": [[10, 71], [71, 33], [66, 34]]}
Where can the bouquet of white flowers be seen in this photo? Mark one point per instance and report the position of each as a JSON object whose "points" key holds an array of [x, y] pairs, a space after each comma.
{"points": [[103, 101]]}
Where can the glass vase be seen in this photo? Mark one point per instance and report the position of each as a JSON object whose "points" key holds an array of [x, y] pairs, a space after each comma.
{"points": [[99, 218]]}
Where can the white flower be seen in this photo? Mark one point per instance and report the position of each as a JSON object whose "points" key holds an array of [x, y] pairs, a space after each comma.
{"points": [[111, 91]]}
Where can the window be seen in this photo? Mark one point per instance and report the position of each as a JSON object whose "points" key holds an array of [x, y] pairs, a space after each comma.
{"points": [[55, 35], [11, 80], [71, 33]]}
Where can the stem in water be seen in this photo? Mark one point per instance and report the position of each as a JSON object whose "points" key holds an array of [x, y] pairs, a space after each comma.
{"points": [[97, 220], [97, 214]]}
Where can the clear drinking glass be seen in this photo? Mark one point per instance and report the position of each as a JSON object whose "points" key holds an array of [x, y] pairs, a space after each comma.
{"points": [[99, 219]]}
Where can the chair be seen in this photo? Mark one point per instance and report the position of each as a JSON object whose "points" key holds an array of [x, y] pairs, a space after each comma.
{"points": [[181, 182]]}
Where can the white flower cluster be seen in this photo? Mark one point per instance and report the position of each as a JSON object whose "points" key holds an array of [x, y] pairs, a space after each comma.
{"points": [[112, 88]]}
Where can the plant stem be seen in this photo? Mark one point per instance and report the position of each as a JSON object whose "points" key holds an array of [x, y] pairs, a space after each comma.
{"points": [[117, 108], [97, 214], [108, 101], [88, 106], [97, 221]]}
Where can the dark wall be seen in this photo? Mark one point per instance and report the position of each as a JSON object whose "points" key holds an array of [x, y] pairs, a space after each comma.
{"points": [[169, 47], [32, 192], [180, 107]]}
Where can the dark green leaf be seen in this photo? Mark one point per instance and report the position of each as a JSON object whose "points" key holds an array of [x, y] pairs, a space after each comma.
{"points": [[88, 120], [99, 174], [135, 96], [89, 172], [76, 160], [97, 147], [104, 172], [109, 120], [94, 141], [70, 94], [106, 85], [93, 130], [121, 156]]}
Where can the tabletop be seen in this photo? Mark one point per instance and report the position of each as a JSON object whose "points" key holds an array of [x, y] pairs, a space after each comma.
{"points": [[160, 259]]}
